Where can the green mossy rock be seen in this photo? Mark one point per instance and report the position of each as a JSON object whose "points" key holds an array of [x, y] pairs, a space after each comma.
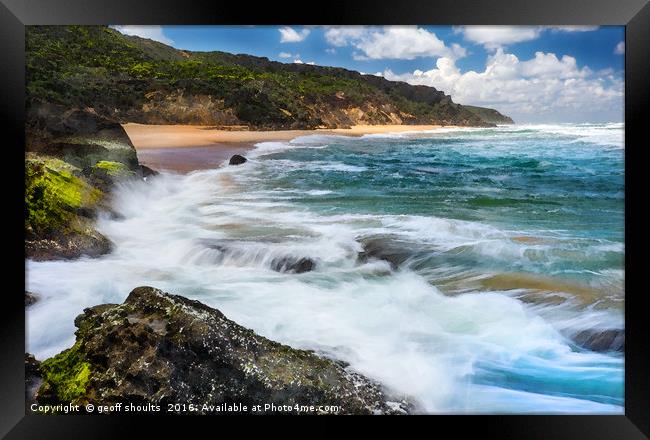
{"points": [[53, 195], [158, 348], [74, 157], [59, 207]]}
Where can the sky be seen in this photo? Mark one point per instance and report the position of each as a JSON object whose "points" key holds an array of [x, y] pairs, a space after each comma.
{"points": [[533, 74]]}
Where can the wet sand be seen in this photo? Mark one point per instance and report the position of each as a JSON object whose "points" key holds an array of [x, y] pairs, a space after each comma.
{"points": [[187, 159], [185, 148]]}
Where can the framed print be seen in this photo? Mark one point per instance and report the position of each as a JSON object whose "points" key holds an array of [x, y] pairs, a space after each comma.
{"points": [[367, 210]]}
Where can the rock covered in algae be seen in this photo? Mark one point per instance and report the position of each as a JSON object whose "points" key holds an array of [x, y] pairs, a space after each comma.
{"points": [[160, 349]]}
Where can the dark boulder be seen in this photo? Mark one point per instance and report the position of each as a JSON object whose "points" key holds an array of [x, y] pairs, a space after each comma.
{"points": [[293, 265], [601, 340], [157, 349], [68, 245], [385, 248], [147, 172], [237, 160]]}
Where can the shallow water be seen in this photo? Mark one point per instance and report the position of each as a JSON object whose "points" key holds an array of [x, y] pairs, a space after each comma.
{"points": [[504, 242]]}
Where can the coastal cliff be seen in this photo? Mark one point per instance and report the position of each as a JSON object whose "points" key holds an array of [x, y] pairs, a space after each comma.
{"points": [[157, 349], [131, 79]]}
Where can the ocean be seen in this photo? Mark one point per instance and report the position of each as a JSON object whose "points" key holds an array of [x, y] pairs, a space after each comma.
{"points": [[454, 266]]}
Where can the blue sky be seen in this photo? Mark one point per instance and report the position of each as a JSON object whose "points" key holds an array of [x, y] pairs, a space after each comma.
{"points": [[534, 74]]}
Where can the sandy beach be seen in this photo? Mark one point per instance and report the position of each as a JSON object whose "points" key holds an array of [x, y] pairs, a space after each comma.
{"points": [[184, 148]]}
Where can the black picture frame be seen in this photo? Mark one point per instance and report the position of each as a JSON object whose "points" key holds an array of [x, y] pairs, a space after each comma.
{"points": [[634, 14]]}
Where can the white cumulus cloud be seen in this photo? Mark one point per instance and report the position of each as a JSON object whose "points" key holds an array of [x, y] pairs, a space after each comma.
{"points": [[151, 32], [391, 42], [299, 61], [620, 48], [290, 35], [493, 37], [286, 55], [542, 88]]}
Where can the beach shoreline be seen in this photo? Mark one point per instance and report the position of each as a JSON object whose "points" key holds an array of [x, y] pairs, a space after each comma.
{"points": [[185, 148]]}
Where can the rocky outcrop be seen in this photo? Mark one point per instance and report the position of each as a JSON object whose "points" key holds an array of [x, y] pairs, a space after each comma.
{"points": [[73, 159], [157, 348], [80, 137], [237, 160], [68, 245]]}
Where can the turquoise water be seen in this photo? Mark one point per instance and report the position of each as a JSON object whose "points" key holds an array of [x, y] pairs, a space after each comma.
{"points": [[454, 266]]}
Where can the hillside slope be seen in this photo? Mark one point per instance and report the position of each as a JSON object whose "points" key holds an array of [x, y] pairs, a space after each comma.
{"points": [[489, 115], [131, 79]]}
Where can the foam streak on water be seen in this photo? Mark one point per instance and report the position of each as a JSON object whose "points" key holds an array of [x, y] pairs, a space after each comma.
{"points": [[462, 210]]}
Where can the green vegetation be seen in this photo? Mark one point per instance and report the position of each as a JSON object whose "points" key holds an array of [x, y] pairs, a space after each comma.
{"points": [[98, 67], [66, 375]]}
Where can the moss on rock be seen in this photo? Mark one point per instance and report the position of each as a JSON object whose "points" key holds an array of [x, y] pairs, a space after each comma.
{"points": [[113, 169], [65, 376], [53, 195]]}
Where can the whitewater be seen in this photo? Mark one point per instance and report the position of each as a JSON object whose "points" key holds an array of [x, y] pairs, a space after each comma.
{"points": [[429, 251]]}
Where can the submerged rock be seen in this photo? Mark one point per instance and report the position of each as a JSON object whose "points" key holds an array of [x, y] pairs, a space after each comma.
{"points": [[293, 265], [601, 340], [385, 248], [157, 349], [237, 160]]}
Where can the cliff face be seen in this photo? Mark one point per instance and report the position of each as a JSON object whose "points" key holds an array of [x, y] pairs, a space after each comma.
{"points": [[157, 349], [130, 79]]}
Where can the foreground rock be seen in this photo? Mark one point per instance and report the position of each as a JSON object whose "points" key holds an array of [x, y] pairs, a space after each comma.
{"points": [[237, 160], [160, 349]]}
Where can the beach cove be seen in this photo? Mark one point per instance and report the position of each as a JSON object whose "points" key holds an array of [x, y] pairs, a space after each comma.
{"points": [[185, 148]]}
